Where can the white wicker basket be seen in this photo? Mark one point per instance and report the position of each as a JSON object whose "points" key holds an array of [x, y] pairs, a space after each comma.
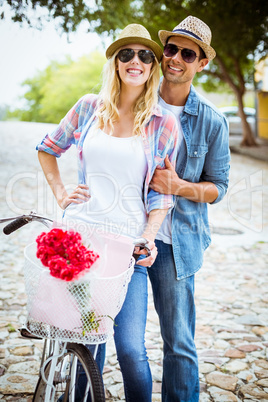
{"points": [[80, 311]]}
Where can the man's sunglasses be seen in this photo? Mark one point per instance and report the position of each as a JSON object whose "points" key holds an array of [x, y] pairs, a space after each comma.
{"points": [[187, 55], [146, 56]]}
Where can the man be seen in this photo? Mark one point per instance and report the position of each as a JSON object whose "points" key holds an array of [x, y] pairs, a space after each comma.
{"points": [[201, 177]]}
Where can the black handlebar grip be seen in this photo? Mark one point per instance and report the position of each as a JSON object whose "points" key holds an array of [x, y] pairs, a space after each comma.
{"points": [[14, 225]]}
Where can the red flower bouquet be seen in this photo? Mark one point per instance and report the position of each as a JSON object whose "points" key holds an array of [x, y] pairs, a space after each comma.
{"points": [[74, 293], [67, 258], [64, 253]]}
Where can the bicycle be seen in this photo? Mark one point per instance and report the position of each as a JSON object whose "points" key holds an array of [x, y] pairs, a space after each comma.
{"points": [[68, 370]]}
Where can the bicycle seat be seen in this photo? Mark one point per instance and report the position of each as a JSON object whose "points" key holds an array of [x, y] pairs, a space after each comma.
{"points": [[26, 334]]}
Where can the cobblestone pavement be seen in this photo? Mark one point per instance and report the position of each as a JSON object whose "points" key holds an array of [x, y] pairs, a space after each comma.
{"points": [[231, 288]]}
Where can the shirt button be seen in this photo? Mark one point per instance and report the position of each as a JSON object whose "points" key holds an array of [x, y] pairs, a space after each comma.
{"points": [[195, 152]]}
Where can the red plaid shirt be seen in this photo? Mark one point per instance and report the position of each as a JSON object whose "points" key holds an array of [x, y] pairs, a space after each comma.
{"points": [[159, 140]]}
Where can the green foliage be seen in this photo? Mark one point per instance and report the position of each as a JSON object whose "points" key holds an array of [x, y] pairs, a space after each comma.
{"points": [[239, 29], [11, 328], [52, 92], [239, 32], [101, 15]]}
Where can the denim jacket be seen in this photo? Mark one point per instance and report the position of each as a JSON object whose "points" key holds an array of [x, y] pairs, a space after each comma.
{"points": [[204, 156]]}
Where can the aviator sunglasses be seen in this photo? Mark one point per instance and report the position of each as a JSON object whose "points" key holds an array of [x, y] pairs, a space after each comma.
{"points": [[187, 55], [146, 56]]}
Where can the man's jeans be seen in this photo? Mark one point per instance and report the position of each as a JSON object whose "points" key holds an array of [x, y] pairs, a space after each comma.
{"points": [[174, 303]]}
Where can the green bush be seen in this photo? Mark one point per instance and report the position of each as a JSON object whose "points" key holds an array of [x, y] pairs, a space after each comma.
{"points": [[52, 92]]}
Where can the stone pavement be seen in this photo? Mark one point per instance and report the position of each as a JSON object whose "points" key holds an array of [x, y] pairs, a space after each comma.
{"points": [[231, 288], [260, 152]]}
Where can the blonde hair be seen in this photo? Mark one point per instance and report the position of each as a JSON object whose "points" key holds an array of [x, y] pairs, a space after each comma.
{"points": [[107, 111]]}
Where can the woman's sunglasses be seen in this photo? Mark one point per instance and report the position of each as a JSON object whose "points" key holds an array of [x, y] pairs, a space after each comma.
{"points": [[187, 55], [146, 56]]}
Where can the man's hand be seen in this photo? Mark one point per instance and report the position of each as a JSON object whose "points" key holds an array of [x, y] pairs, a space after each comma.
{"points": [[165, 181]]}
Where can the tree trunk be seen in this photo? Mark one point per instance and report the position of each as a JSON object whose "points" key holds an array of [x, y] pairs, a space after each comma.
{"points": [[248, 139]]}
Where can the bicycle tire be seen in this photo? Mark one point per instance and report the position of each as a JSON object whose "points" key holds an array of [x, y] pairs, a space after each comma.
{"points": [[61, 380]]}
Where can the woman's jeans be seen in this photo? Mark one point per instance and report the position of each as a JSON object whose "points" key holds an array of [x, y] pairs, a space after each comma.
{"points": [[129, 333], [129, 340], [174, 303]]}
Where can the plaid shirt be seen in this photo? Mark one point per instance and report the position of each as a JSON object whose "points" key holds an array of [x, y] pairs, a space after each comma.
{"points": [[159, 140]]}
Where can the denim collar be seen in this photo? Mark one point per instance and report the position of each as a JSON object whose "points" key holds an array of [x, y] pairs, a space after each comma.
{"points": [[191, 105]]}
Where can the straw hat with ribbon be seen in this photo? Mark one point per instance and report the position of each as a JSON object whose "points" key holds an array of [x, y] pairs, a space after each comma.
{"points": [[194, 29], [134, 33]]}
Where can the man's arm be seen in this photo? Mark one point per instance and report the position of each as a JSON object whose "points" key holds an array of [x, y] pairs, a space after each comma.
{"points": [[166, 181]]}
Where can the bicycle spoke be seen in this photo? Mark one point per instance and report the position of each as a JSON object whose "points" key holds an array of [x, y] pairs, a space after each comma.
{"points": [[75, 378]]}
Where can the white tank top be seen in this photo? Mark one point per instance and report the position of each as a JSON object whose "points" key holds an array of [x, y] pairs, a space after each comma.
{"points": [[115, 172]]}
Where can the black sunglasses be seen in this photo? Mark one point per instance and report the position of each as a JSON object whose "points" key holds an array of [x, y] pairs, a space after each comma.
{"points": [[187, 55], [146, 56]]}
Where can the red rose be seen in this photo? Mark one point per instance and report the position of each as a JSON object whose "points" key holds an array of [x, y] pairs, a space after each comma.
{"points": [[64, 253], [56, 264], [45, 253], [69, 273]]}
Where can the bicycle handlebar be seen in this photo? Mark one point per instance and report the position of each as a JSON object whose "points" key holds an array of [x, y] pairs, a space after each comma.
{"points": [[21, 220], [18, 221], [14, 225]]}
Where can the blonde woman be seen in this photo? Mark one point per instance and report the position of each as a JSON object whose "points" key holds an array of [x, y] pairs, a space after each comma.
{"points": [[122, 135]]}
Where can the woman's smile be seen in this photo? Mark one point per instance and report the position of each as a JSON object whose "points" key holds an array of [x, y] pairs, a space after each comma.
{"points": [[134, 71]]}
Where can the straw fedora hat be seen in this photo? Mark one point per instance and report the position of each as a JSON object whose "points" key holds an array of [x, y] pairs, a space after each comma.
{"points": [[196, 30], [134, 33]]}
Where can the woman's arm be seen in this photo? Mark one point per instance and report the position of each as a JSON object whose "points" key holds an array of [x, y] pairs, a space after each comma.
{"points": [[155, 219], [159, 204], [51, 171]]}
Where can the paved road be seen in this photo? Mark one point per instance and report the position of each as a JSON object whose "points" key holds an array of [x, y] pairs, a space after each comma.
{"points": [[231, 288]]}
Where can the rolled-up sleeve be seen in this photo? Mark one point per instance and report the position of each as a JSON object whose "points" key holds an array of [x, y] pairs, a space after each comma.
{"points": [[64, 135], [159, 201], [167, 145], [217, 164]]}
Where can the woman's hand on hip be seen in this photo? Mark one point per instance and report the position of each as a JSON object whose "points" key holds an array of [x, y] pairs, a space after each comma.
{"points": [[79, 195]]}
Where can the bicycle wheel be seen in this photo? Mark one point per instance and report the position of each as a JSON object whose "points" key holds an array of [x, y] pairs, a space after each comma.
{"points": [[76, 378]]}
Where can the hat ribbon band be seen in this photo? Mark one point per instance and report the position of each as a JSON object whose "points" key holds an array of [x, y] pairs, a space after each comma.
{"points": [[187, 32]]}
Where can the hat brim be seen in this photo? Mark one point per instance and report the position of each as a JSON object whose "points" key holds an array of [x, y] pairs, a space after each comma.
{"points": [[209, 51], [135, 39]]}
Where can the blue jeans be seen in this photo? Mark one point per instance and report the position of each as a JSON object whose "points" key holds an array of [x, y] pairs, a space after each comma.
{"points": [[129, 339], [174, 303]]}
